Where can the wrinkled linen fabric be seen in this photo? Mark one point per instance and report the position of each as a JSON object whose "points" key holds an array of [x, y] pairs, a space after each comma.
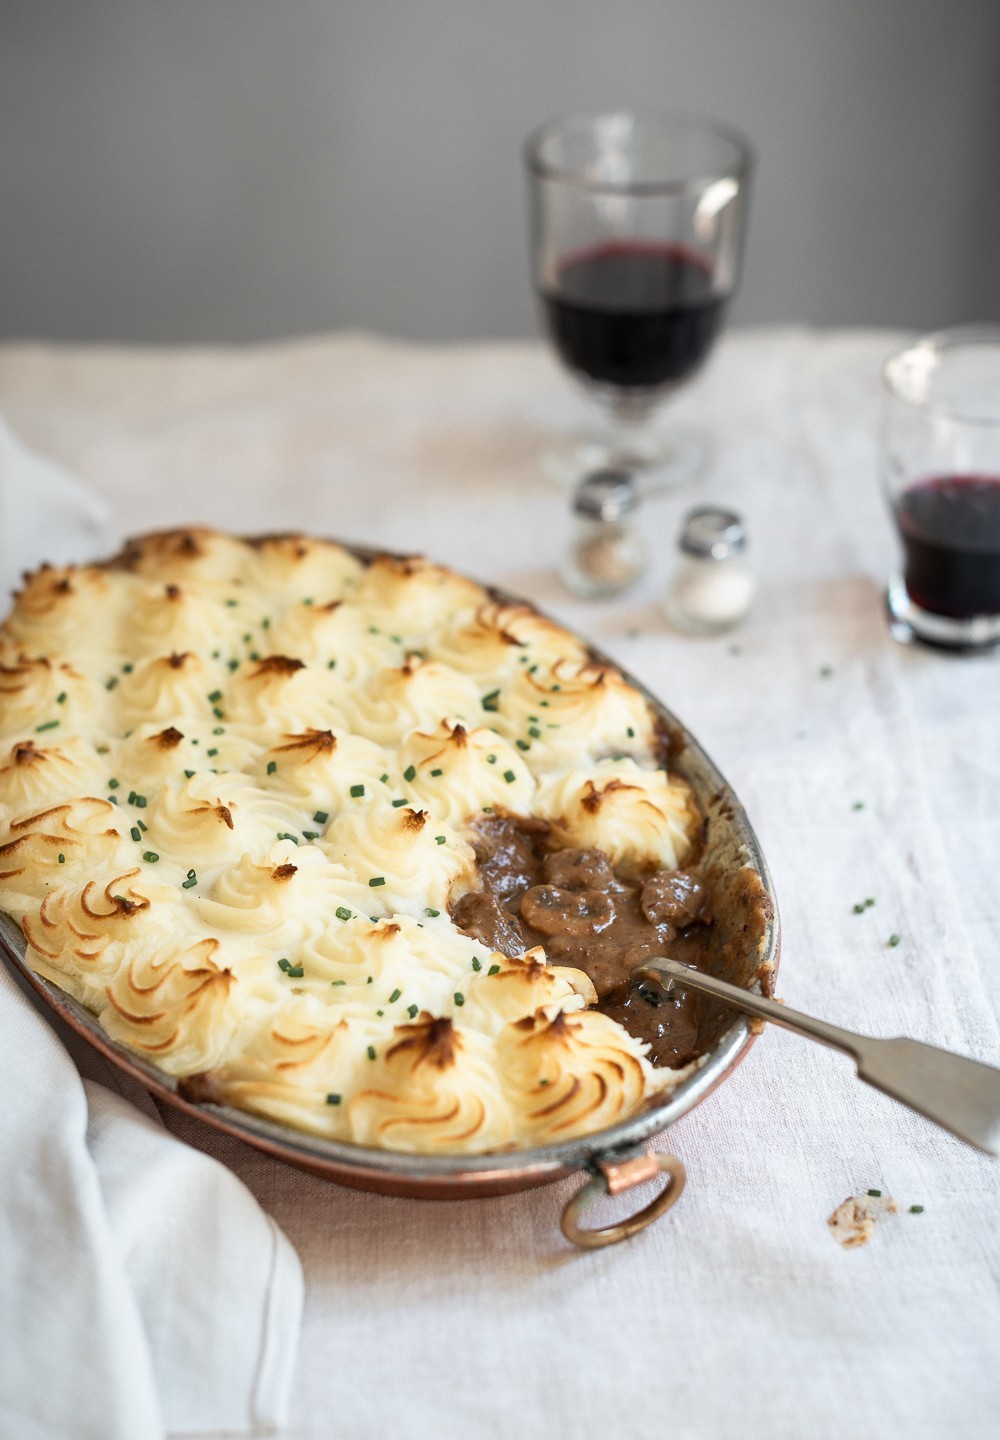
{"points": [[869, 772], [144, 1292]]}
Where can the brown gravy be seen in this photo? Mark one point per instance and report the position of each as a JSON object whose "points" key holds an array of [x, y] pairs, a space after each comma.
{"points": [[585, 915]]}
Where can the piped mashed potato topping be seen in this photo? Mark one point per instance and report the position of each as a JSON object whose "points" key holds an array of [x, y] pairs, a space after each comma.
{"points": [[237, 786]]}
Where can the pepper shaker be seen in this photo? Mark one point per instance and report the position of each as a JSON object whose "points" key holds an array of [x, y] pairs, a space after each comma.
{"points": [[606, 555], [713, 587]]}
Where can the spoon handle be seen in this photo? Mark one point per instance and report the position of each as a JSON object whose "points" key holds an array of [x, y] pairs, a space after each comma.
{"points": [[959, 1094]]}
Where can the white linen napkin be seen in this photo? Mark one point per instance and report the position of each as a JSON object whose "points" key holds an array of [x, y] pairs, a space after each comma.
{"points": [[144, 1292], [45, 514]]}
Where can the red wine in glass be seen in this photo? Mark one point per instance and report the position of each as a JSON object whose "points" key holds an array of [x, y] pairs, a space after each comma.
{"points": [[950, 527], [634, 314]]}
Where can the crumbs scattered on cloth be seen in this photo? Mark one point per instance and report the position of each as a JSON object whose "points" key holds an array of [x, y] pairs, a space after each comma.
{"points": [[853, 1222]]}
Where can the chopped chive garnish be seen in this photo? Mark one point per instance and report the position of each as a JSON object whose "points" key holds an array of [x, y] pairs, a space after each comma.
{"points": [[441, 839], [233, 665], [321, 817], [331, 664], [376, 880], [192, 873], [491, 759], [295, 972], [113, 783], [357, 791], [189, 883], [140, 802], [219, 714], [491, 701], [232, 603], [332, 1099], [522, 744], [384, 779], [487, 809], [371, 1052], [893, 941], [310, 834], [215, 697], [411, 1010], [630, 733], [394, 996], [136, 833], [287, 835], [459, 998], [284, 964], [435, 773], [338, 982], [61, 858], [534, 732], [272, 767], [858, 805], [212, 753], [61, 698], [493, 970], [265, 624], [113, 799], [433, 913], [127, 668], [509, 776], [342, 912], [916, 1209], [826, 671], [219, 730], [372, 629], [150, 856], [410, 773], [396, 803], [477, 964], [142, 826], [49, 725], [110, 684], [876, 1193]]}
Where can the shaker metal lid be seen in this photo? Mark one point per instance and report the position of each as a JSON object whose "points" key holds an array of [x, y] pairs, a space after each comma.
{"points": [[712, 533], [605, 495]]}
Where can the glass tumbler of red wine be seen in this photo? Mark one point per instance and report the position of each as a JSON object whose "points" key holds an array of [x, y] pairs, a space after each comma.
{"points": [[637, 223], [941, 470]]}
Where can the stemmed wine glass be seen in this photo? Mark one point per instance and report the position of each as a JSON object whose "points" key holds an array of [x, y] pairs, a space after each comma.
{"points": [[637, 224]]}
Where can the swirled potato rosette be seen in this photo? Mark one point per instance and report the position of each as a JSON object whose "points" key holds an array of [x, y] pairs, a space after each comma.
{"points": [[240, 786]]}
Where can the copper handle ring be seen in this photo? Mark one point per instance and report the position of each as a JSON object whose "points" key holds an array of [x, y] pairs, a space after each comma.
{"points": [[611, 1179]]}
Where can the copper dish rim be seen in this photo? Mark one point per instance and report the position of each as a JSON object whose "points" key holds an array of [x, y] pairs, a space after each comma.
{"points": [[460, 1177]]}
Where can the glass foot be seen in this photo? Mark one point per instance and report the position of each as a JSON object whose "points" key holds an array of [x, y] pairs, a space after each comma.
{"points": [[661, 463], [909, 622]]}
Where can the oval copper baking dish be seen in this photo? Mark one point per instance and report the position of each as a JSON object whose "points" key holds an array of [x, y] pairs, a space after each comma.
{"points": [[745, 950]]}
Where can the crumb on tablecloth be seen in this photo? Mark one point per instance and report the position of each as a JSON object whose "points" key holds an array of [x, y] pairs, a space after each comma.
{"points": [[853, 1221]]}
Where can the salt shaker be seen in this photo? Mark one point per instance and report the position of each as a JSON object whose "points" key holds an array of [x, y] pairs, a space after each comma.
{"points": [[713, 587], [606, 555]]}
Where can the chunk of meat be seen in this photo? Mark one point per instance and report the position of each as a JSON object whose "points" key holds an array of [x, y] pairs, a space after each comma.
{"points": [[579, 870], [673, 897], [566, 912], [480, 914]]}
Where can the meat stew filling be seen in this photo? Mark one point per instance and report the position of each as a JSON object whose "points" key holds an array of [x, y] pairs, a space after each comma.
{"points": [[574, 904]]}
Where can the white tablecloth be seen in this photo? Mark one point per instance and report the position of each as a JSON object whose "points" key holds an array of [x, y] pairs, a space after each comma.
{"points": [[737, 1314]]}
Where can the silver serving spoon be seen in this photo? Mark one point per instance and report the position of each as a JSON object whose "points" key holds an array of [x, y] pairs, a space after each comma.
{"points": [[959, 1094]]}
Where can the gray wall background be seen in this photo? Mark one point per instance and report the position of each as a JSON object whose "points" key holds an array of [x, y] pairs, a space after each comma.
{"points": [[188, 170]]}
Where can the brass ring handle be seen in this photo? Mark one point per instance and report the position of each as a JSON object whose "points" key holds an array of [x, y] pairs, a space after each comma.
{"points": [[611, 1179]]}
